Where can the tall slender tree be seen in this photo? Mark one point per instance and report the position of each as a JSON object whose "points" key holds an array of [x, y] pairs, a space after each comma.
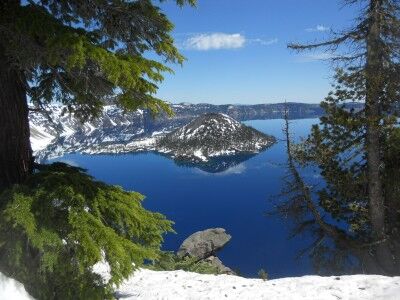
{"points": [[352, 146], [78, 53]]}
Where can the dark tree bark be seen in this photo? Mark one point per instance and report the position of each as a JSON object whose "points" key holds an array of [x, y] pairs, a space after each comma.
{"points": [[16, 159], [374, 88]]}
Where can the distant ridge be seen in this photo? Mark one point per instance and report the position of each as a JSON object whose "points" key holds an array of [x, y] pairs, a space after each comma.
{"points": [[115, 128]]}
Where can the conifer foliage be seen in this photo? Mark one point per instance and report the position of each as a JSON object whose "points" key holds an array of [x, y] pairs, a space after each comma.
{"points": [[56, 222], [79, 53], [61, 222], [357, 150]]}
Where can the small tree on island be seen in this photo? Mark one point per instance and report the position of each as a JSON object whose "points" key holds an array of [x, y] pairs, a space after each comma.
{"points": [[357, 150], [57, 222]]}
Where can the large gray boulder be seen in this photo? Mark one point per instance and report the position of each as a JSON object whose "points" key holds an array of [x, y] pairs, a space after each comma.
{"points": [[203, 244]]}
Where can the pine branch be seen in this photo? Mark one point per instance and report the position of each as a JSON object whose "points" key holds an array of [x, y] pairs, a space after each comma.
{"points": [[330, 230]]}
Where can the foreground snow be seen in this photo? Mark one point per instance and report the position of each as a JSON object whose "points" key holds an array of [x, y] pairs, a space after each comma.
{"points": [[12, 289], [178, 285]]}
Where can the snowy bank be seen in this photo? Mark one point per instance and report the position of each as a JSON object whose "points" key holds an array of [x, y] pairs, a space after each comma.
{"points": [[12, 289], [178, 285]]}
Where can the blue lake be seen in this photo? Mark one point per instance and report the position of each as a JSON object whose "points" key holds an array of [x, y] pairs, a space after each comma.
{"points": [[236, 199]]}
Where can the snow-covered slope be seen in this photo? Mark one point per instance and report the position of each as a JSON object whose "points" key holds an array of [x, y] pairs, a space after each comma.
{"points": [[66, 134], [213, 135], [40, 137], [11, 289], [180, 285]]}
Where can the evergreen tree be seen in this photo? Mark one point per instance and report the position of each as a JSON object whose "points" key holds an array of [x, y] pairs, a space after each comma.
{"points": [[357, 150], [57, 222], [79, 53], [60, 223]]}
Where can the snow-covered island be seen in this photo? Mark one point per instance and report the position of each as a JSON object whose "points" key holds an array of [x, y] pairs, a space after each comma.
{"points": [[205, 138], [180, 285], [213, 135]]}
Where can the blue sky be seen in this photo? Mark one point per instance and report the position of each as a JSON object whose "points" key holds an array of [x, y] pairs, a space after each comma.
{"points": [[236, 50]]}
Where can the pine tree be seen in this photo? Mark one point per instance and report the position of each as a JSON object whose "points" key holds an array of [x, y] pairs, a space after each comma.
{"points": [[57, 222], [356, 149], [60, 223], [80, 54]]}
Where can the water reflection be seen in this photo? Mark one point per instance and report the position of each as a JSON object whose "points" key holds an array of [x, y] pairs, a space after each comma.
{"points": [[225, 165]]}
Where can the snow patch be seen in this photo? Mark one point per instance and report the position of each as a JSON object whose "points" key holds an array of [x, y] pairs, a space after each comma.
{"points": [[199, 154], [40, 139], [180, 285], [103, 269], [12, 289]]}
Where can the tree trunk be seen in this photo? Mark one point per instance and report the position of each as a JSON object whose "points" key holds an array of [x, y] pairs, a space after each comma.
{"points": [[374, 87], [16, 159]]}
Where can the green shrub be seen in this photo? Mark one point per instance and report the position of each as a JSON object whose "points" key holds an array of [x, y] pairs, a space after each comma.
{"points": [[262, 274], [168, 261], [61, 222]]}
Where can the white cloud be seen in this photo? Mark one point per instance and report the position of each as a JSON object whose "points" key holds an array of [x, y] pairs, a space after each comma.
{"points": [[215, 41], [318, 28], [265, 42], [218, 41], [315, 57]]}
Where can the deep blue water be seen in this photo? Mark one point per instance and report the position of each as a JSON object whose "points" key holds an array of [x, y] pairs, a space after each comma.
{"points": [[236, 199]]}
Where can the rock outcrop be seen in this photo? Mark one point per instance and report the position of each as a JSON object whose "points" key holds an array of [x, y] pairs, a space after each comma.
{"points": [[218, 264], [203, 245]]}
